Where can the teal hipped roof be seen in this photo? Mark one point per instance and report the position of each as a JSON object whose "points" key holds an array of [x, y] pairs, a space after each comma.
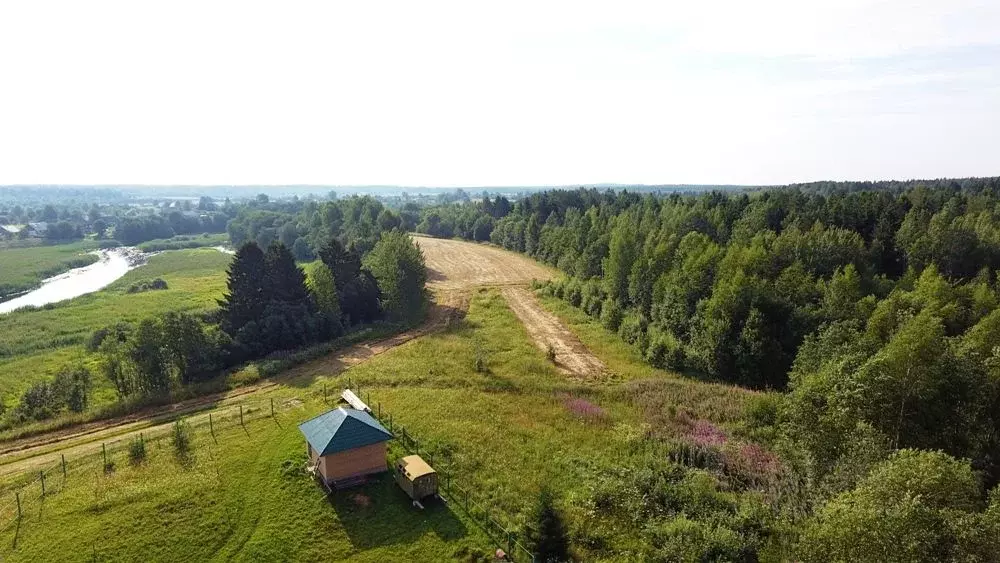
{"points": [[343, 429]]}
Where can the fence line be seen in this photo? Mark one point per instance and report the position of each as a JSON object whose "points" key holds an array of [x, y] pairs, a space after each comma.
{"points": [[505, 536], [27, 489]]}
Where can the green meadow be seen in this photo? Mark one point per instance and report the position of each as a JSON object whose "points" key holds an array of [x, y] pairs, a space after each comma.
{"points": [[24, 267], [34, 344], [481, 398]]}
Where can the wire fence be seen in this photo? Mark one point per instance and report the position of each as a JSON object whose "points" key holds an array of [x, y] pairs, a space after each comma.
{"points": [[491, 521], [23, 495]]}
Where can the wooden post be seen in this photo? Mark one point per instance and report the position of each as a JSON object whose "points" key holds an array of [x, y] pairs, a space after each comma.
{"points": [[41, 475], [324, 392], [64, 465], [17, 496], [380, 410], [390, 422], [241, 414], [272, 407], [211, 427]]}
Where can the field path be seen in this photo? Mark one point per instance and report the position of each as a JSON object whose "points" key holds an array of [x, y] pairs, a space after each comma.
{"points": [[547, 330], [454, 267]]}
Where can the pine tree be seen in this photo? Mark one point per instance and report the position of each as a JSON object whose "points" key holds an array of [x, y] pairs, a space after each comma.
{"points": [[244, 302], [549, 540], [283, 279]]}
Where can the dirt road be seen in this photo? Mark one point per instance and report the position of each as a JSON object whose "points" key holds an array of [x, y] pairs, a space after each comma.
{"points": [[547, 330], [454, 269]]}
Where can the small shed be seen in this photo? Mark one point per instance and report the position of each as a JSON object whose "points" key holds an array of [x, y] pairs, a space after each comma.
{"points": [[345, 445], [414, 476]]}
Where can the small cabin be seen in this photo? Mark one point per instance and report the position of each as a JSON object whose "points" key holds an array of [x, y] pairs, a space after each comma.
{"points": [[414, 476], [345, 446]]}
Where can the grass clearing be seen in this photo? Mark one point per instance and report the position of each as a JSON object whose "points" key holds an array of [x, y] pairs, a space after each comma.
{"points": [[502, 431], [23, 268]]}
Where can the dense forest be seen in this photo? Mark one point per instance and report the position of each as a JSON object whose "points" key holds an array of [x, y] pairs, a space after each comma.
{"points": [[873, 308]]}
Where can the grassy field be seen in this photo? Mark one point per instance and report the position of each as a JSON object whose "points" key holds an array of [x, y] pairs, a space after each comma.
{"points": [[22, 269], [185, 241], [242, 495], [36, 343], [503, 430]]}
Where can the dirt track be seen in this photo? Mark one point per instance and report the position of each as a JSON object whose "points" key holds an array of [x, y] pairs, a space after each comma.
{"points": [[454, 269], [547, 330]]}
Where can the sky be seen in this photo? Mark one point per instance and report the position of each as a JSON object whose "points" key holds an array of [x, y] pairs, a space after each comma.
{"points": [[497, 93]]}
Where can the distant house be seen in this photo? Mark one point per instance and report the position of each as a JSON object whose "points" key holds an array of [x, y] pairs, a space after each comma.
{"points": [[37, 229], [9, 231], [345, 445]]}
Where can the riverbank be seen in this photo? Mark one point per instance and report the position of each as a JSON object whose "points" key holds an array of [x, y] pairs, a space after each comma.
{"points": [[23, 268], [36, 343], [108, 266]]}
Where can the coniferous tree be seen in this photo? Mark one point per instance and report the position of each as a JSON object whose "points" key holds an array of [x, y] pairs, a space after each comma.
{"points": [[244, 302]]}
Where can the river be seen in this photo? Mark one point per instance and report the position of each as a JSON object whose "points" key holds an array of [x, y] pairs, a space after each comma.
{"points": [[113, 264]]}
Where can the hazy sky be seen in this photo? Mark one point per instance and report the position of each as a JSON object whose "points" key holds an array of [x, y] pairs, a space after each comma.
{"points": [[427, 93]]}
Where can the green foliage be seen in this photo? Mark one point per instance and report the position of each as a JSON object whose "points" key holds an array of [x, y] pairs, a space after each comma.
{"points": [[398, 267], [180, 439], [137, 451], [913, 507]]}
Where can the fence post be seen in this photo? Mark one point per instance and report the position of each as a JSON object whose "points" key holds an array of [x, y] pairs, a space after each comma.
{"points": [[368, 397], [211, 427], [64, 465], [380, 410], [17, 495], [272, 407], [390, 422], [324, 392], [41, 474], [241, 414]]}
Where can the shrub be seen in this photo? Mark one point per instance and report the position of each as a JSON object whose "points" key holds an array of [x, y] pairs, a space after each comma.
{"points": [[611, 315], [147, 285], [633, 328], [181, 440], [572, 293], [137, 451], [664, 351]]}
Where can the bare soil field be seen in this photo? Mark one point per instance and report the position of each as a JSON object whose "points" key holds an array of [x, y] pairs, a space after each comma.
{"points": [[453, 264], [547, 330]]}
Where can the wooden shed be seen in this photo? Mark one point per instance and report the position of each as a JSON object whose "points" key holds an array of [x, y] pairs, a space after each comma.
{"points": [[414, 476], [345, 445]]}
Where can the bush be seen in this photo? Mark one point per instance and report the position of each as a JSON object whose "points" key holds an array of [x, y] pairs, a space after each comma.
{"points": [[147, 285], [137, 451], [572, 293], [633, 328], [181, 440], [611, 315], [664, 351]]}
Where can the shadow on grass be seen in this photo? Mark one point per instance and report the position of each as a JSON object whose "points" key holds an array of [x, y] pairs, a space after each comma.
{"points": [[379, 513]]}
